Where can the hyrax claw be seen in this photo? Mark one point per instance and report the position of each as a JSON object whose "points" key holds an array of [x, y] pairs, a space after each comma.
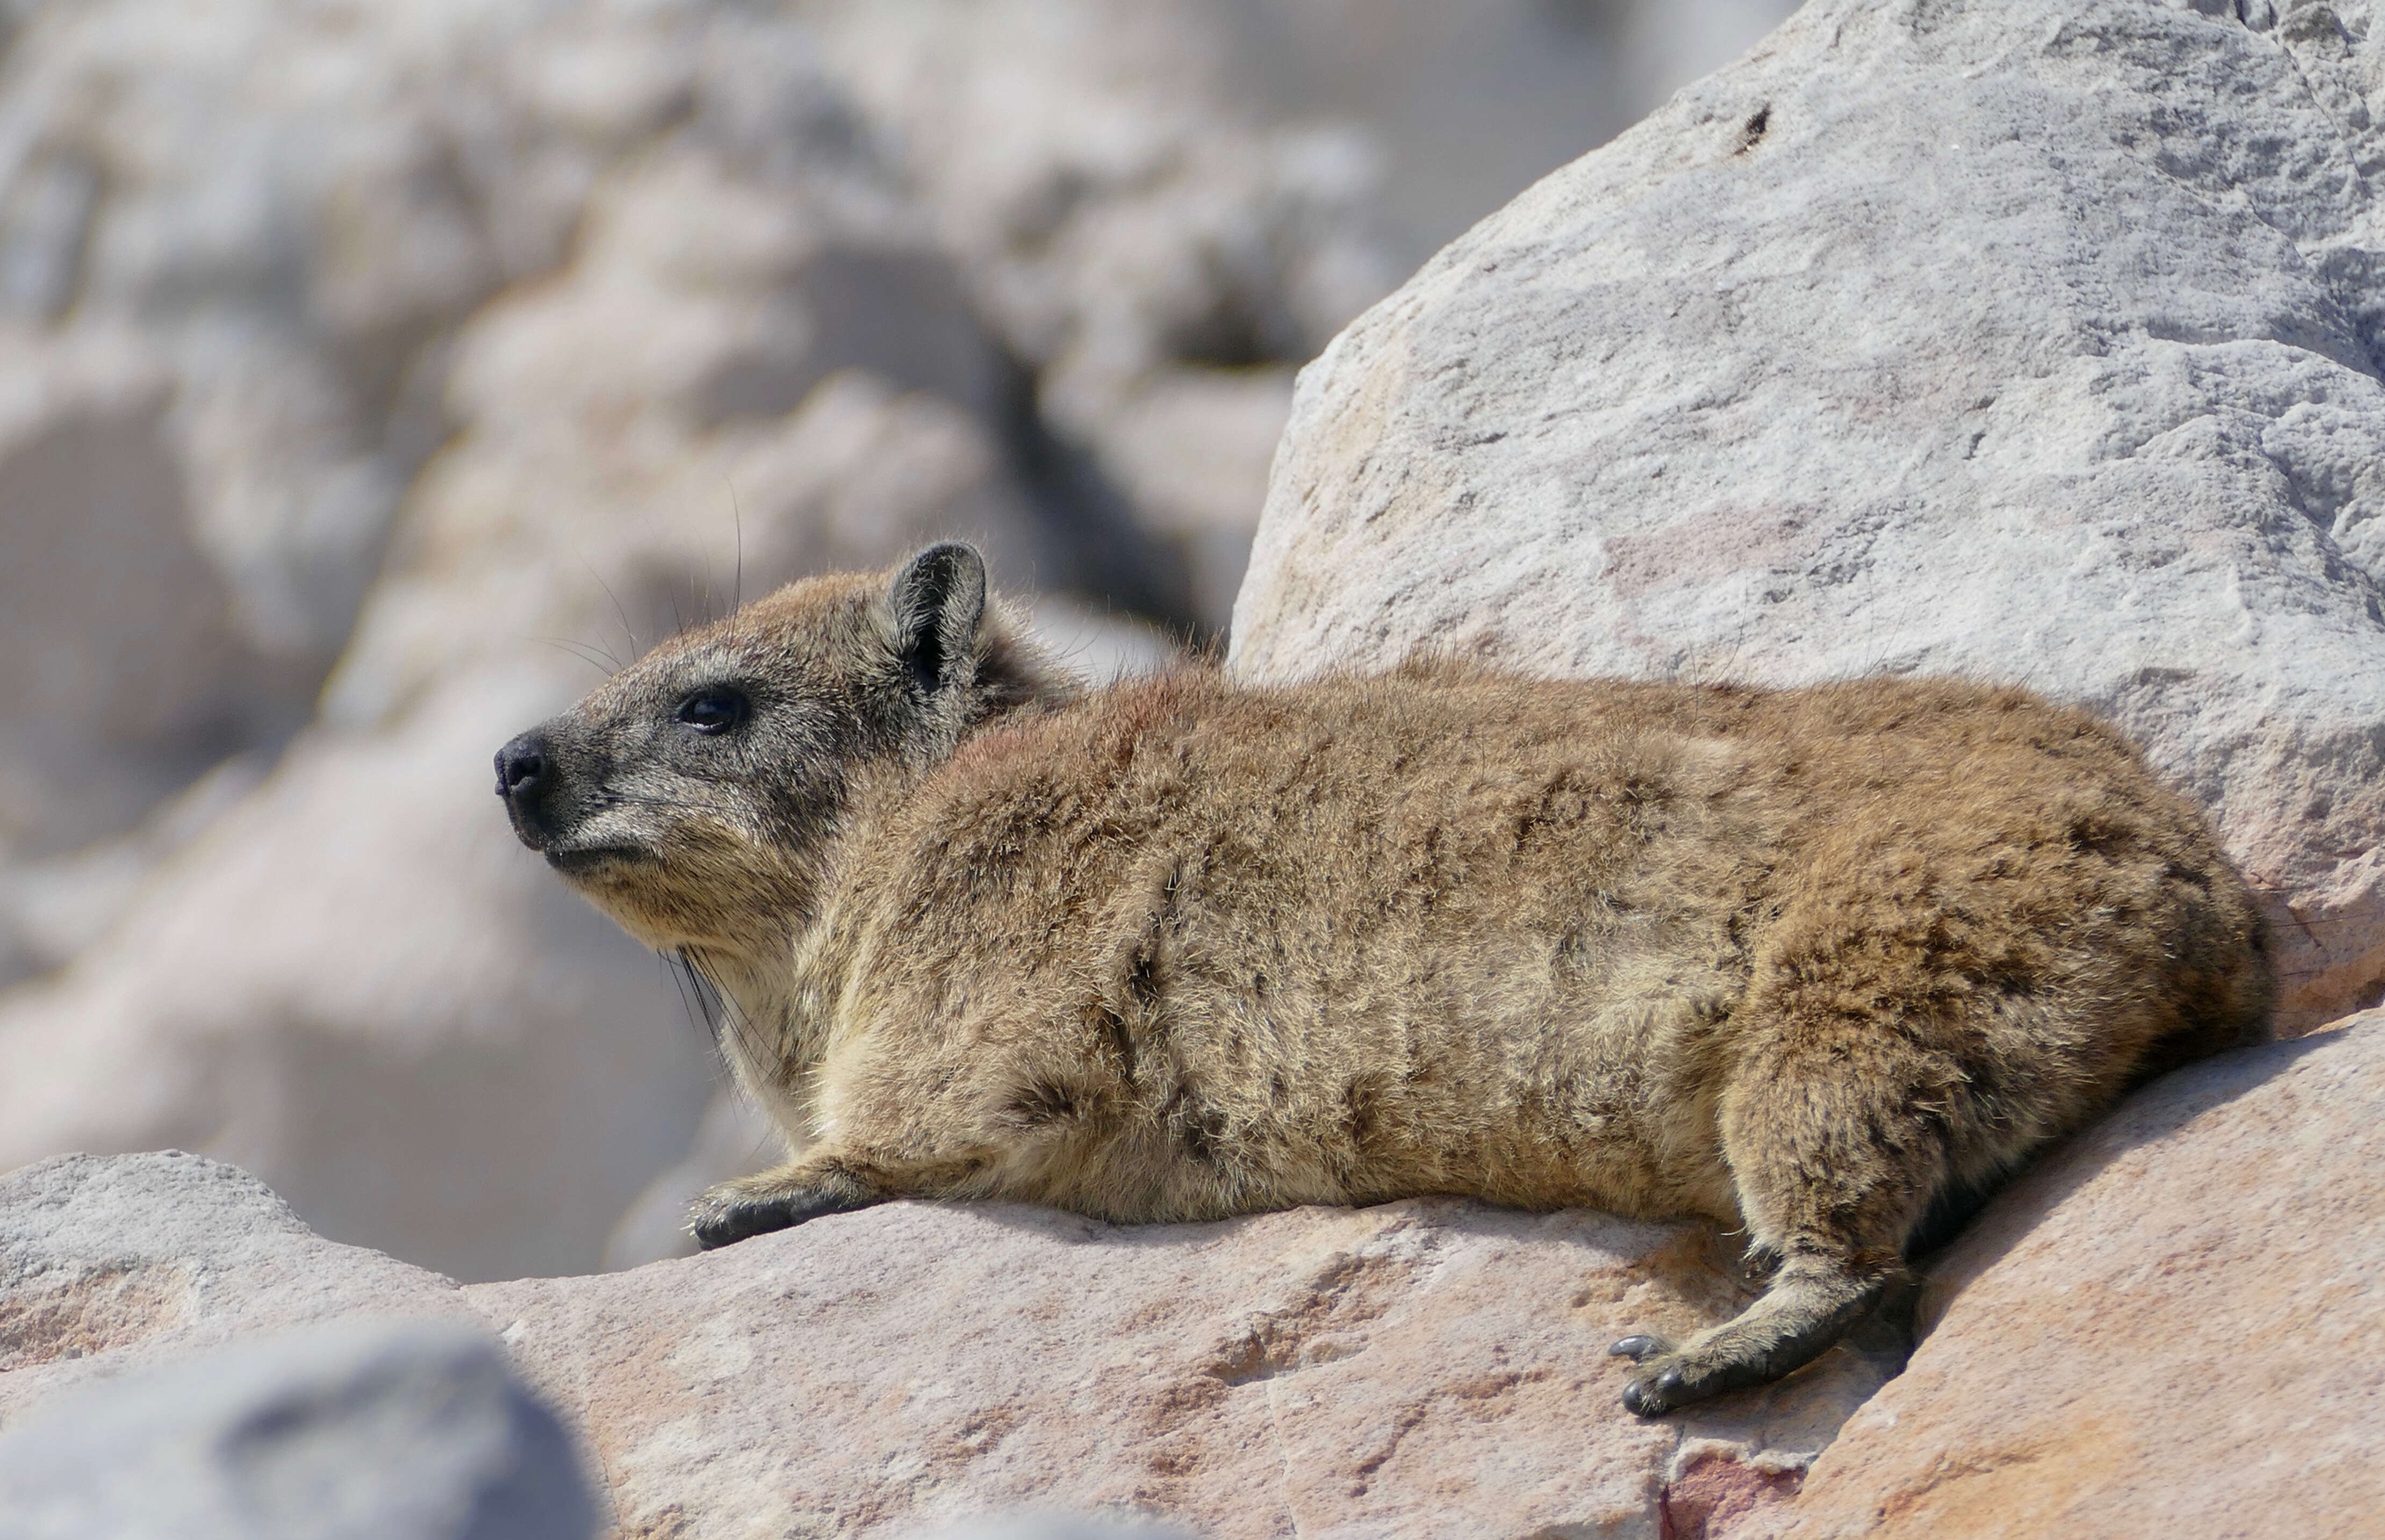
{"points": [[1802, 962]]}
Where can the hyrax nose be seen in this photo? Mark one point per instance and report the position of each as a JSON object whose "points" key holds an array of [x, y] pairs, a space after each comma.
{"points": [[524, 768]]}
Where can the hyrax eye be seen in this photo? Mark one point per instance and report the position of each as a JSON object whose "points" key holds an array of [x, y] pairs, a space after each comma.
{"points": [[714, 711]]}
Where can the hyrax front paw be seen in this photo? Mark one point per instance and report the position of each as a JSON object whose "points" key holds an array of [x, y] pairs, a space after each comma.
{"points": [[1673, 1377], [1670, 1378], [734, 1212]]}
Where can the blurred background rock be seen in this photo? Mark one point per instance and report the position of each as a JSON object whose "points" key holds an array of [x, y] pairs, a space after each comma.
{"points": [[372, 374]]}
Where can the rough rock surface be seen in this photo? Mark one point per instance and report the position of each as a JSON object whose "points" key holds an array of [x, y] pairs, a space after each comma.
{"points": [[357, 1431], [2167, 1329], [2185, 1283], [1342, 1373], [2033, 339]]}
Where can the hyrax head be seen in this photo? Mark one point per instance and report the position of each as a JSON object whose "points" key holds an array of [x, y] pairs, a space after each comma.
{"points": [[692, 796]]}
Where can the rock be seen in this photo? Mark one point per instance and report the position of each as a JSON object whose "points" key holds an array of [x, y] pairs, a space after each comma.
{"points": [[1349, 1372], [361, 1431], [1136, 227], [2036, 341], [2167, 1328], [100, 718], [1060, 1528], [356, 982], [106, 1264], [2161, 1328], [734, 1138]]}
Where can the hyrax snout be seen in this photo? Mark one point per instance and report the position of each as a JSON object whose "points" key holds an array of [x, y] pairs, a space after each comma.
{"points": [[1814, 963]]}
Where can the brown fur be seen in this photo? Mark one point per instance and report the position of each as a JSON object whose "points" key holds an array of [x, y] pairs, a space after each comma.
{"points": [[1804, 963]]}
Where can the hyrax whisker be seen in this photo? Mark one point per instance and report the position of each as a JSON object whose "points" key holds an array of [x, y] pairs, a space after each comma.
{"points": [[1820, 965]]}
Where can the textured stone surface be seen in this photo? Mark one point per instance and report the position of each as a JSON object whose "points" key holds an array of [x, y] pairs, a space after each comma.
{"points": [[110, 1263], [1396, 1370], [2168, 1328], [357, 1431], [2031, 339], [2161, 1330]]}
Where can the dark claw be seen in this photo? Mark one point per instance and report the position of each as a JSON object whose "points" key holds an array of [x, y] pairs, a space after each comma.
{"points": [[1639, 1403], [1637, 1347]]}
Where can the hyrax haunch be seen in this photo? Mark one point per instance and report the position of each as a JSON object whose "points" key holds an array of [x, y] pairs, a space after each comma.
{"points": [[1813, 963]]}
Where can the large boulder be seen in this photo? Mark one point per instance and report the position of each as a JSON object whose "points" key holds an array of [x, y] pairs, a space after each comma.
{"points": [[2035, 339]]}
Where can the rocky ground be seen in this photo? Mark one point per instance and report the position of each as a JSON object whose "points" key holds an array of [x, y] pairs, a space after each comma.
{"points": [[2032, 339], [2164, 1330]]}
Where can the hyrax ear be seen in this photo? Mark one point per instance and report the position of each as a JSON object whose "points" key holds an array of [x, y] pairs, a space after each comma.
{"points": [[934, 607]]}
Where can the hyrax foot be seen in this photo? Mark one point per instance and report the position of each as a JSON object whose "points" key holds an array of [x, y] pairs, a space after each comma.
{"points": [[773, 1200], [1671, 1378], [1793, 1323]]}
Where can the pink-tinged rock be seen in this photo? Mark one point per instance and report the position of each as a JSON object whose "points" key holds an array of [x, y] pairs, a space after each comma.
{"points": [[1425, 1368], [2170, 1329]]}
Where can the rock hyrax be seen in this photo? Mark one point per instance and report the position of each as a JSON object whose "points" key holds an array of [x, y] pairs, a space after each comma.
{"points": [[1813, 963]]}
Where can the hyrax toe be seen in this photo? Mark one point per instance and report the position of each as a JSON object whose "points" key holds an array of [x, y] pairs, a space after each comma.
{"points": [[1669, 1381], [1653, 1394], [1639, 1349]]}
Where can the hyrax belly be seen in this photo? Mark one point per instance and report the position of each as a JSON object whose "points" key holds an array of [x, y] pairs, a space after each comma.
{"points": [[1192, 1078]]}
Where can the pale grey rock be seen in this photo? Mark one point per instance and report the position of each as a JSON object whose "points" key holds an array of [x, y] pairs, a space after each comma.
{"points": [[2032, 341], [106, 1264], [1136, 226], [101, 714], [734, 1138], [361, 1431], [357, 984], [1056, 1528]]}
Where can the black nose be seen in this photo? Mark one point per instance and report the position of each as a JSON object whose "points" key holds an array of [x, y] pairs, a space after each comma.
{"points": [[522, 767]]}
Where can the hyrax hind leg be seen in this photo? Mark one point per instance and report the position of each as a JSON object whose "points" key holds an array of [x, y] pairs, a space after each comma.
{"points": [[1835, 1136]]}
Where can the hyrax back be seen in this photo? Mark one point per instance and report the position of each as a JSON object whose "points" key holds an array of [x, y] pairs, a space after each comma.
{"points": [[1808, 962]]}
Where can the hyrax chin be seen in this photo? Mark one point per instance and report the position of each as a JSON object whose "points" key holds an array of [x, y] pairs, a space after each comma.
{"points": [[1822, 965]]}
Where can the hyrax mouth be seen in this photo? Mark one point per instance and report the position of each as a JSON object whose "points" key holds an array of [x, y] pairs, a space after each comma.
{"points": [[590, 861]]}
